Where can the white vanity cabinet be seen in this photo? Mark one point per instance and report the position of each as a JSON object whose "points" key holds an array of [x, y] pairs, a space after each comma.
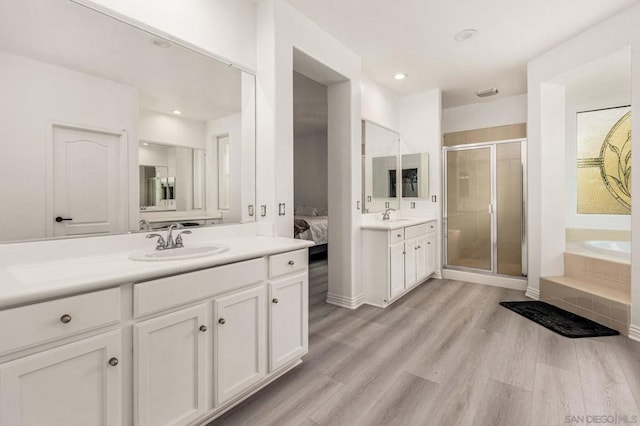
{"points": [[171, 366], [77, 382], [240, 342], [288, 308], [396, 260]]}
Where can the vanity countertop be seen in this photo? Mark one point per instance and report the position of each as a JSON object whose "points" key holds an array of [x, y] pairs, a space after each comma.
{"points": [[31, 282], [394, 223]]}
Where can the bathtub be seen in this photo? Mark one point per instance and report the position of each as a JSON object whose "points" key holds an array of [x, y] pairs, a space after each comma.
{"points": [[612, 248]]}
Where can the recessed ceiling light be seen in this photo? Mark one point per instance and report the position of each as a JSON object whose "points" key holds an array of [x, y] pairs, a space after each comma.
{"points": [[400, 76], [177, 112], [465, 35], [160, 42], [487, 92]]}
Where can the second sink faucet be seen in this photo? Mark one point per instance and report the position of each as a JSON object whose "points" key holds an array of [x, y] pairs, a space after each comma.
{"points": [[169, 243], [385, 214]]}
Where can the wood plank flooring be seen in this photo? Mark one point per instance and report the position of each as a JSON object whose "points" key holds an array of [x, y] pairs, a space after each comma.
{"points": [[445, 354]]}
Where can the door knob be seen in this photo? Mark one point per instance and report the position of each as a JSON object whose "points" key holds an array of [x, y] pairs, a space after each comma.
{"points": [[60, 219]]}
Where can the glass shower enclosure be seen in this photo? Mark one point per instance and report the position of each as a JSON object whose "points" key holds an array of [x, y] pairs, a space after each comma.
{"points": [[484, 208]]}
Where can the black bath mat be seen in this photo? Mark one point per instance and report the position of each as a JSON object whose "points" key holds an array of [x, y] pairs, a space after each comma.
{"points": [[559, 320]]}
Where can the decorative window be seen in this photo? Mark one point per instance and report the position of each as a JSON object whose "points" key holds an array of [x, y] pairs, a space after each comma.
{"points": [[604, 161]]}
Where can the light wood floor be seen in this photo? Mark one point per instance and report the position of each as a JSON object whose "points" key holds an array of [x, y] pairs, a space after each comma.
{"points": [[445, 354]]}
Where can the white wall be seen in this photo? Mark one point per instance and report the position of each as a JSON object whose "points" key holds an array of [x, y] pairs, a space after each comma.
{"points": [[281, 29], [490, 113], [171, 129], [310, 170], [421, 131], [547, 134], [36, 95], [379, 105], [226, 28]]}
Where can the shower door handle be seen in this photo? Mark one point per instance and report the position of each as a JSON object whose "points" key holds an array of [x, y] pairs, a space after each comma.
{"points": [[490, 208]]}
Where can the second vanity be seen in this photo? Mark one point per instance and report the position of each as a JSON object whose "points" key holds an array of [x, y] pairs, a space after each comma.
{"points": [[113, 341], [397, 255]]}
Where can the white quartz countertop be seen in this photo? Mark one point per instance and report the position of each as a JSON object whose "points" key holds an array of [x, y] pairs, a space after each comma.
{"points": [[30, 282], [393, 223]]}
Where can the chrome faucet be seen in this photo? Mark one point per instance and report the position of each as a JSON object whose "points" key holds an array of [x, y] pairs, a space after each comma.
{"points": [[144, 225], [170, 243], [385, 214]]}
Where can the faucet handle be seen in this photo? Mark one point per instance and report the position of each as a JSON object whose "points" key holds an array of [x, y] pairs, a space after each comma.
{"points": [[160, 244], [179, 242]]}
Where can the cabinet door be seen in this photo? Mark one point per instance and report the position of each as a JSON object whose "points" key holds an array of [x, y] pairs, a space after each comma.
{"points": [[240, 342], [396, 269], [289, 319], [410, 278], [170, 370], [421, 258], [431, 253], [75, 384]]}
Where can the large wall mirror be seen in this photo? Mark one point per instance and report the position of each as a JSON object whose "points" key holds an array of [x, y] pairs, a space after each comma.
{"points": [[105, 126], [380, 164]]}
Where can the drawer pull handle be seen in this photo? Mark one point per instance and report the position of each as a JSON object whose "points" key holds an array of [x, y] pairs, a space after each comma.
{"points": [[203, 328], [65, 319], [222, 321], [291, 262], [275, 300], [113, 361]]}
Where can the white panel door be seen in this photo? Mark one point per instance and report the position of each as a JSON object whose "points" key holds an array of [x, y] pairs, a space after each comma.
{"points": [[87, 181], [410, 278], [289, 319], [74, 384], [396, 269], [240, 342], [170, 370], [421, 258]]}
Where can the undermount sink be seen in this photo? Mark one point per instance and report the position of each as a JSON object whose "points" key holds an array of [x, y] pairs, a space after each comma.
{"points": [[182, 253], [394, 220]]}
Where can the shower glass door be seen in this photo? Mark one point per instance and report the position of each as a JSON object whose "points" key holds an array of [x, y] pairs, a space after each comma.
{"points": [[468, 208], [484, 207]]}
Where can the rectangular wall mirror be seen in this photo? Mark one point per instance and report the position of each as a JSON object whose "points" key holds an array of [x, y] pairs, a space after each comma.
{"points": [[415, 175], [81, 93], [380, 164]]}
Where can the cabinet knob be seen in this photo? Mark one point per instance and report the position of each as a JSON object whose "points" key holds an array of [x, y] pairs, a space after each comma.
{"points": [[65, 319], [291, 262], [275, 300], [113, 361], [203, 328], [222, 321], [399, 235], [418, 247], [404, 252], [428, 242]]}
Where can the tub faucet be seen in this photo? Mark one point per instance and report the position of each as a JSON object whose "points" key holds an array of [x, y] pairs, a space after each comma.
{"points": [[385, 214]]}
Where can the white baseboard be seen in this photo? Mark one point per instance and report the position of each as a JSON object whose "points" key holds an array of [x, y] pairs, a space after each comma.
{"points": [[532, 293], [345, 302], [437, 274], [634, 333], [494, 280]]}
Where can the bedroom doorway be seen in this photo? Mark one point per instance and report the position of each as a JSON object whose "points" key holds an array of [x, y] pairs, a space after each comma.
{"points": [[310, 163]]}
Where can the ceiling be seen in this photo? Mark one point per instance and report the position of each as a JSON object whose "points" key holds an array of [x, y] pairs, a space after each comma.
{"points": [[417, 37], [72, 36]]}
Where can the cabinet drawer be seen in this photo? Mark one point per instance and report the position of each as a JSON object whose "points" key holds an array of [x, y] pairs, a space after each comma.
{"points": [[415, 230], [42, 322], [286, 263], [164, 293], [396, 235]]}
